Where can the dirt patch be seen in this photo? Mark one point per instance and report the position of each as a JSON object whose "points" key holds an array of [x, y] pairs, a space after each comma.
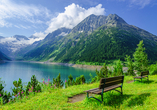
{"points": [[77, 98], [130, 81]]}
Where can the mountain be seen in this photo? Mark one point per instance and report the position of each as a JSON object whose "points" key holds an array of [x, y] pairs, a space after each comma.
{"points": [[3, 57], [12, 45], [95, 39], [43, 48], [20, 37]]}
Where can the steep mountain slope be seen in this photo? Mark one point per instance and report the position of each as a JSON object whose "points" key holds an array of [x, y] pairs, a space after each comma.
{"points": [[3, 57], [96, 39], [83, 29], [41, 50]]}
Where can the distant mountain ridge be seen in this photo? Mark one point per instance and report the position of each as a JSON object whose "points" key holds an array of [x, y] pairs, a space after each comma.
{"points": [[10, 45], [95, 39]]}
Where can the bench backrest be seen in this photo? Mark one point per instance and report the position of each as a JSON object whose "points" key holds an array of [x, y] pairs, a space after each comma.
{"points": [[106, 82], [144, 73]]}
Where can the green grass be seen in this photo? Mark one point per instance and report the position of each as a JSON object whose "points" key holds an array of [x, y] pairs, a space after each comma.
{"points": [[136, 96]]}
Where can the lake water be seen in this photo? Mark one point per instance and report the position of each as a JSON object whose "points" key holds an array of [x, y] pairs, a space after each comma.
{"points": [[11, 71]]}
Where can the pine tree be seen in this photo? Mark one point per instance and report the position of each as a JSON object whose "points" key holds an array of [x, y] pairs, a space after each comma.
{"points": [[140, 58]]}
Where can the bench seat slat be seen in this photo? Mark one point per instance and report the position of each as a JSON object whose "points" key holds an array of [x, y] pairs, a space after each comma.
{"points": [[98, 91], [140, 77]]}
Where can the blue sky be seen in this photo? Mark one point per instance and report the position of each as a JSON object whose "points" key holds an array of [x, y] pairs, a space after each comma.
{"points": [[40, 17]]}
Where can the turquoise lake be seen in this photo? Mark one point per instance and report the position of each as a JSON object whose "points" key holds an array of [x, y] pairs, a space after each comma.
{"points": [[11, 71]]}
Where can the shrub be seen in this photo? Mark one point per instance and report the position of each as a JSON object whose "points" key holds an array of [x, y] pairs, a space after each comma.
{"points": [[4, 96], [153, 69], [102, 73], [80, 80], [118, 69], [58, 82]]}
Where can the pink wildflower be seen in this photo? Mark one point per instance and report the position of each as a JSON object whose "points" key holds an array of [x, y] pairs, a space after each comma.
{"points": [[43, 81], [19, 93], [16, 95], [65, 80], [51, 86], [22, 92], [38, 90], [48, 80], [0, 94], [32, 87]]}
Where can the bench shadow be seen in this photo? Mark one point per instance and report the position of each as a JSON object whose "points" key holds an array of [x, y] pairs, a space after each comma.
{"points": [[138, 100], [116, 100], [145, 81]]}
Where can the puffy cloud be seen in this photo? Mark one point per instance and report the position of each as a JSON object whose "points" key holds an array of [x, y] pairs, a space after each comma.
{"points": [[72, 15], [24, 12], [40, 35]]}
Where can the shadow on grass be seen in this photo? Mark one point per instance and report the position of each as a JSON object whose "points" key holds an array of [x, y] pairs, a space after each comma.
{"points": [[144, 81], [138, 100], [115, 99]]}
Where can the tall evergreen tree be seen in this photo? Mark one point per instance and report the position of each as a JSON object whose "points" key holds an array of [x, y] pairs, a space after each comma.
{"points": [[140, 58]]}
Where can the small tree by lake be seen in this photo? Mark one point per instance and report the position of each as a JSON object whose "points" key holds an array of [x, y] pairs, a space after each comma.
{"points": [[140, 58]]}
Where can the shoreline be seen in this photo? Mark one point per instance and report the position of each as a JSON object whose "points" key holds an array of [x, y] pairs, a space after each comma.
{"points": [[91, 67]]}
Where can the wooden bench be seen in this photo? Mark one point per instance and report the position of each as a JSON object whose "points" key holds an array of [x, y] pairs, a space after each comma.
{"points": [[107, 84], [143, 75]]}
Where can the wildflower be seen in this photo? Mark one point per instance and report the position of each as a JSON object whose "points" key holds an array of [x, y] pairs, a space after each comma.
{"points": [[19, 98], [16, 95], [43, 81], [19, 93], [0, 94], [35, 91], [22, 92], [38, 90], [32, 87], [65, 80], [51, 86], [48, 80], [26, 96]]}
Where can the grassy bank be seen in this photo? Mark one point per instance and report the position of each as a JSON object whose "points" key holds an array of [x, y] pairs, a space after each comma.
{"points": [[136, 95]]}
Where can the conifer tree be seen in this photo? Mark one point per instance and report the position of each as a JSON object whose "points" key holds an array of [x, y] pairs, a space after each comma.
{"points": [[140, 58]]}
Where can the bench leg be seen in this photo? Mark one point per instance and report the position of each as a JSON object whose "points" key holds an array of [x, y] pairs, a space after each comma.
{"points": [[121, 91], [87, 95], [102, 97]]}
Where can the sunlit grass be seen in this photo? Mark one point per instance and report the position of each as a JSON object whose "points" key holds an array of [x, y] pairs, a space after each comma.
{"points": [[136, 96]]}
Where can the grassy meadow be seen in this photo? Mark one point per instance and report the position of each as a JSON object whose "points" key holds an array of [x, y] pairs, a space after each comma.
{"points": [[136, 96]]}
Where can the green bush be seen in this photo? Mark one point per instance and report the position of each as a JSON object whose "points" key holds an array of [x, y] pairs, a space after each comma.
{"points": [[153, 69], [58, 82], [80, 80], [118, 69]]}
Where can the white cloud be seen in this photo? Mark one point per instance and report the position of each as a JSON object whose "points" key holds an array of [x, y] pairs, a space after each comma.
{"points": [[141, 3], [72, 15], [23, 12], [41, 35]]}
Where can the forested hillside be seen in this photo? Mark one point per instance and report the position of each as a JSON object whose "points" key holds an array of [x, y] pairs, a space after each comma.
{"points": [[95, 39]]}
